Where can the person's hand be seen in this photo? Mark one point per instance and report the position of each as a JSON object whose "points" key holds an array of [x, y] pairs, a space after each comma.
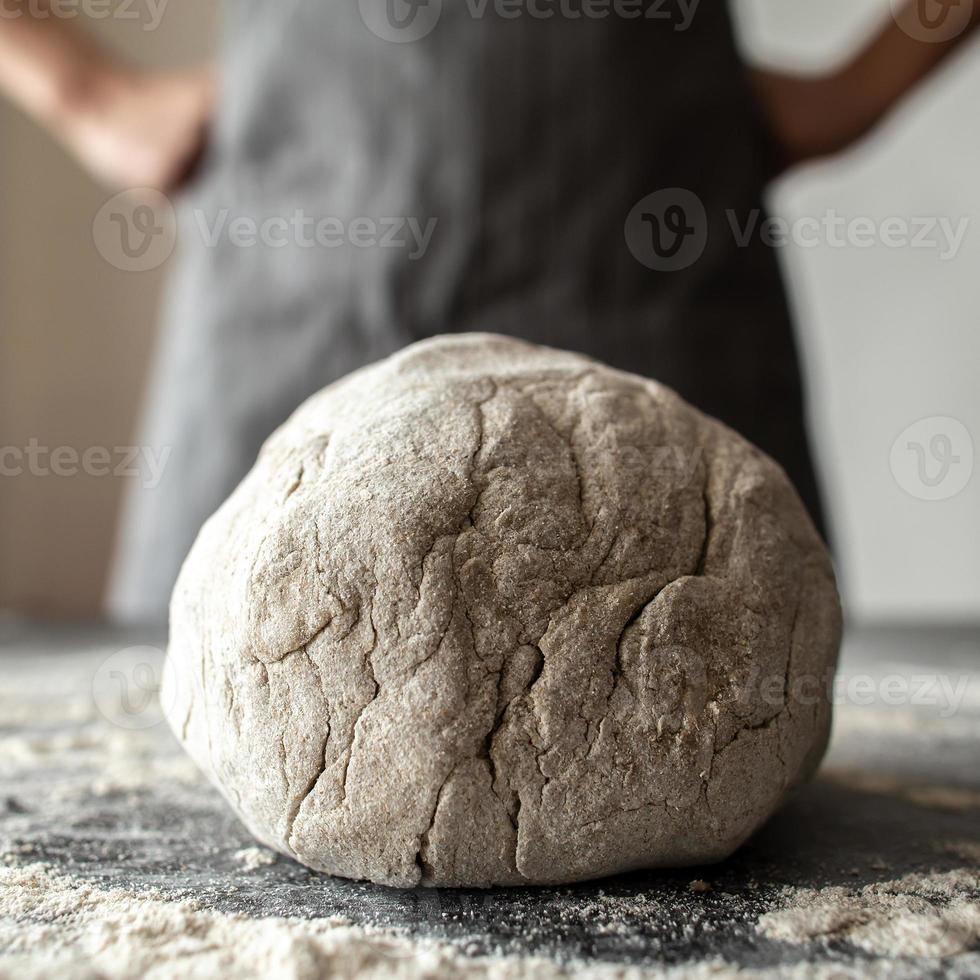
{"points": [[814, 116], [134, 130], [130, 129]]}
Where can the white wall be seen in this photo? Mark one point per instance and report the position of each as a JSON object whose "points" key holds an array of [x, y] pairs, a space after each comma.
{"points": [[892, 334]]}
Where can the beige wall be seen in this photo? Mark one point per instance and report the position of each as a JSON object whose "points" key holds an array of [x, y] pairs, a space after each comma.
{"points": [[75, 338]]}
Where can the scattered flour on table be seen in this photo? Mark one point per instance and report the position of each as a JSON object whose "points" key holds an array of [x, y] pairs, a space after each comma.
{"points": [[967, 850], [97, 759], [53, 925], [253, 858], [917, 915], [23, 708]]}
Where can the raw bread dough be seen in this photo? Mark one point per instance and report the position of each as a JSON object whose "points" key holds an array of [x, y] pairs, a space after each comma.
{"points": [[487, 613]]}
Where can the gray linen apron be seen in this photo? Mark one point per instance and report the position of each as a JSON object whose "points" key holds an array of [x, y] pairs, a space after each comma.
{"points": [[530, 140]]}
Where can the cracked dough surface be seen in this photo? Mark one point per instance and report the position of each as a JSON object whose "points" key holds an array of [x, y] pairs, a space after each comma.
{"points": [[486, 613]]}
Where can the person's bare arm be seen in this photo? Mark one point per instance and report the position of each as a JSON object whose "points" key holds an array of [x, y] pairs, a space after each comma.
{"points": [[813, 117], [128, 128]]}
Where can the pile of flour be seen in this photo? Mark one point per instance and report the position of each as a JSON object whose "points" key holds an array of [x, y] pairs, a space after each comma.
{"points": [[917, 915], [54, 925]]}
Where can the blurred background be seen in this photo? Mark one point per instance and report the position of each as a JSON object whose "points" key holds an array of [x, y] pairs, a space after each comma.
{"points": [[889, 334], [76, 339]]}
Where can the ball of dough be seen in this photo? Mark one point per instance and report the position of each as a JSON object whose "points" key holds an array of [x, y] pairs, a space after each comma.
{"points": [[486, 613]]}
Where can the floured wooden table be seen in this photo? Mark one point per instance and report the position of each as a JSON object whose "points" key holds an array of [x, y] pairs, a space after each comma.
{"points": [[118, 860]]}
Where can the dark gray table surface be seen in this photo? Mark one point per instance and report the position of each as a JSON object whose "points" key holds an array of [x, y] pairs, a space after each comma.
{"points": [[111, 799]]}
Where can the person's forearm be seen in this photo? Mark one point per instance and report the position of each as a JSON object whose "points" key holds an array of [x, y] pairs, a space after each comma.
{"points": [[813, 117], [46, 67], [898, 59], [128, 128]]}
